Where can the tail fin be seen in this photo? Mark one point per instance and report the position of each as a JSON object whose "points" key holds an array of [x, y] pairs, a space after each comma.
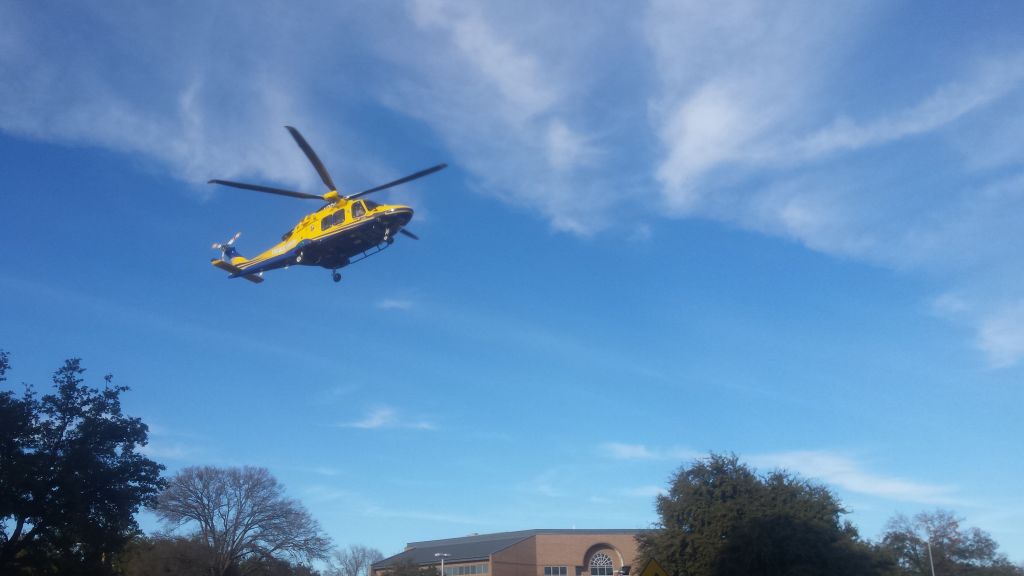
{"points": [[230, 260]]}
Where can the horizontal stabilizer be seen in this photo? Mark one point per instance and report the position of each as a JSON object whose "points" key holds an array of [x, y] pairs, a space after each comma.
{"points": [[235, 270]]}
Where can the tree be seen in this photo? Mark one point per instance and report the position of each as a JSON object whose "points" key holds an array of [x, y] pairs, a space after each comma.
{"points": [[241, 514], [955, 551], [354, 560], [721, 518], [164, 554], [71, 476]]}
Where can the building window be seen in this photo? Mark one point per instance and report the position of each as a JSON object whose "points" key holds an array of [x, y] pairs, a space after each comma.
{"points": [[600, 565], [556, 571], [465, 570]]}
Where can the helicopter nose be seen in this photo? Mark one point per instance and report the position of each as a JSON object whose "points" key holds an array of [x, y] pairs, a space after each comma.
{"points": [[400, 215]]}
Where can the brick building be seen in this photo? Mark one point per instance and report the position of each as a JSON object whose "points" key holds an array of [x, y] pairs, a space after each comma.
{"points": [[524, 553]]}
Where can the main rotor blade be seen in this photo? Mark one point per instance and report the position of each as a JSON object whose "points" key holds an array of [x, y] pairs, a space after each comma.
{"points": [[267, 189], [313, 158], [408, 178], [407, 233]]}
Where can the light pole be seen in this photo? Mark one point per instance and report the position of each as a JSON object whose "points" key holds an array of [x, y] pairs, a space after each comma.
{"points": [[442, 556], [930, 561]]}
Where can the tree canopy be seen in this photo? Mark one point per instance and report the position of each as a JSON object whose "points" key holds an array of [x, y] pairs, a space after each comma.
{"points": [[354, 560], [71, 475], [955, 551], [162, 554], [720, 518], [242, 515]]}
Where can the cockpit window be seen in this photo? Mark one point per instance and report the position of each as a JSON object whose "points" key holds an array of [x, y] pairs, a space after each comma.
{"points": [[358, 210], [370, 204]]}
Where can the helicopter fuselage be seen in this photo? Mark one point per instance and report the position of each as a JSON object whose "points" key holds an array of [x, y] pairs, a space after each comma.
{"points": [[331, 237]]}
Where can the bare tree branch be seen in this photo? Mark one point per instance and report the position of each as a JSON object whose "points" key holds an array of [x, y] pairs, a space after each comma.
{"points": [[241, 513]]}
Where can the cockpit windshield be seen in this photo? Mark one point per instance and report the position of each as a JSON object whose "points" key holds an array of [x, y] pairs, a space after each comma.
{"points": [[370, 204]]}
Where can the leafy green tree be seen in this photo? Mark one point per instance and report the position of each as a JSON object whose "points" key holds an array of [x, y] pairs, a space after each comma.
{"points": [[243, 517], [720, 518], [71, 476], [955, 551]]}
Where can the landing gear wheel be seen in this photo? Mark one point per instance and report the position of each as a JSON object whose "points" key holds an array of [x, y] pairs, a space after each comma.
{"points": [[336, 277]]}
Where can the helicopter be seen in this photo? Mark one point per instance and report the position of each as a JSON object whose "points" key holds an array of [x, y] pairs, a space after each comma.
{"points": [[345, 230]]}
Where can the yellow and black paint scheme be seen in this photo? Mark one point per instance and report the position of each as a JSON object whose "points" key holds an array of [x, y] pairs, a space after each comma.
{"points": [[344, 230], [330, 238]]}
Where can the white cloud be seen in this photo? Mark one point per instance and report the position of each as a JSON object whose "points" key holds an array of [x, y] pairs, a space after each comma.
{"points": [[164, 450], [644, 492], [623, 451], [507, 90], [406, 514], [991, 81], [833, 469], [848, 474], [736, 111], [628, 451], [395, 304], [1000, 335], [566, 148], [216, 108], [749, 113], [513, 73], [387, 417]]}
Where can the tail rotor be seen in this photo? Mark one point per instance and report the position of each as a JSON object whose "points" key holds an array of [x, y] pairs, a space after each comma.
{"points": [[227, 249]]}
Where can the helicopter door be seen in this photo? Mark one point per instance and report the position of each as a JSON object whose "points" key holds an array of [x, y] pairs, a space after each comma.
{"points": [[358, 210]]}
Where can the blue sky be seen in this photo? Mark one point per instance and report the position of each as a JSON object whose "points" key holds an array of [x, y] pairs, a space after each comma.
{"points": [[791, 231]]}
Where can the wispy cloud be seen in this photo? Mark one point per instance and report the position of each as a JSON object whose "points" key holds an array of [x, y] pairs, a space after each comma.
{"points": [[644, 491], [735, 111], [487, 69], [170, 450], [395, 304], [755, 131], [550, 483], [991, 81], [622, 451], [408, 514], [835, 469], [387, 417], [169, 444], [1000, 335], [848, 474]]}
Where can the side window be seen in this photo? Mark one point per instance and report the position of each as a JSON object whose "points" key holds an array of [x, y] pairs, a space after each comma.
{"points": [[358, 210], [332, 219]]}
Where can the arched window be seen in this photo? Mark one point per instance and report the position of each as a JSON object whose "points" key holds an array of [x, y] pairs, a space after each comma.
{"points": [[600, 565]]}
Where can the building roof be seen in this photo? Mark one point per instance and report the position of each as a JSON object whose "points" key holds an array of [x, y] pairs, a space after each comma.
{"points": [[477, 547]]}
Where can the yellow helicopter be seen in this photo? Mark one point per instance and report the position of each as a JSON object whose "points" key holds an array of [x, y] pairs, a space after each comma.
{"points": [[343, 231]]}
